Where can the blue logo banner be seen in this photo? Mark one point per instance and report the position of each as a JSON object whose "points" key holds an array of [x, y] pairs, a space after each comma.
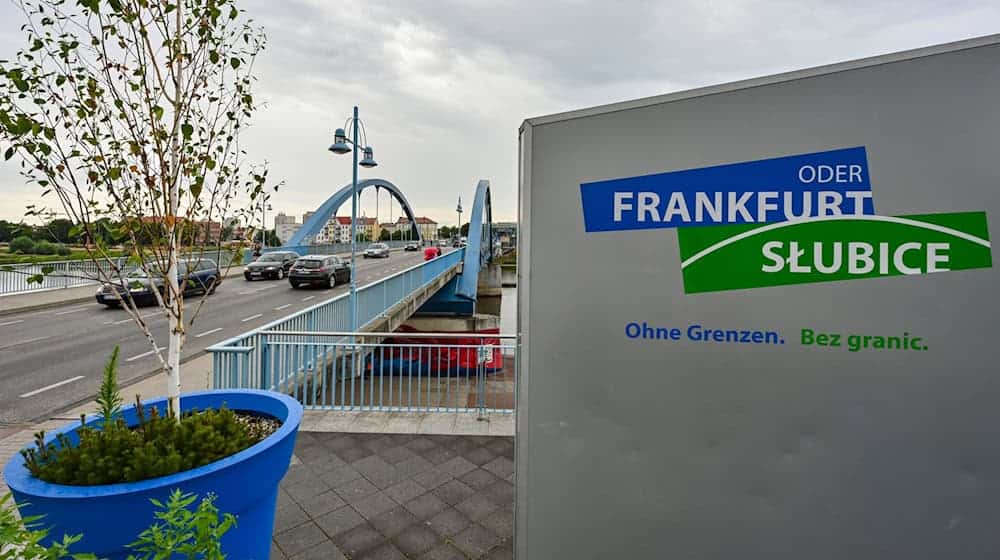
{"points": [[827, 183]]}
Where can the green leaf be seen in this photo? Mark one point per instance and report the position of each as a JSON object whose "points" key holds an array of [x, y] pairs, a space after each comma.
{"points": [[158, 112], [187, 130], [9, 153], [213, 56], [234, 62]]}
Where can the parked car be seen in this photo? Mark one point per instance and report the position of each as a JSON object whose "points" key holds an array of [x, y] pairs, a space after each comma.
{"points": [[443, 243], [456, 242], [202, 276], [377, 251], [271, 265], [412, 246], [319, 270]]}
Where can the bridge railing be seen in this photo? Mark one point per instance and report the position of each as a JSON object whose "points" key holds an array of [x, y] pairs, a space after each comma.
{"points": [[82, 272], [244, 362], [398, 372]]}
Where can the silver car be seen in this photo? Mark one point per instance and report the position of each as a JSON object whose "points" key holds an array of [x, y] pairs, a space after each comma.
{"points": [[377, 251]]}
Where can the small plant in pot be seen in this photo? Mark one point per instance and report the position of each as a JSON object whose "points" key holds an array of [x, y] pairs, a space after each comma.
{"points": [[97, 478]]}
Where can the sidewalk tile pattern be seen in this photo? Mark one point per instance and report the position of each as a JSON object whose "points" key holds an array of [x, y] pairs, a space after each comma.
{"points": [[405, 496]]}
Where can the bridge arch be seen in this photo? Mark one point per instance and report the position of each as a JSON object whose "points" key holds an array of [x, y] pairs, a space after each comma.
{"points": [[312, 226], [479, 251]]}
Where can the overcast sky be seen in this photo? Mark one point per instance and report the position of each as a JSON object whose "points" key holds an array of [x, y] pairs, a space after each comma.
{"points": [[443, 85]]}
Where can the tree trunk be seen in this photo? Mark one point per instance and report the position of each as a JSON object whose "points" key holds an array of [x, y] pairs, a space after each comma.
{"points": [[176, 305]]}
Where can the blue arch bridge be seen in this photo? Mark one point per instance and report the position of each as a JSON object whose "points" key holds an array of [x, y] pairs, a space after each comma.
{"points": [[455, 359]]}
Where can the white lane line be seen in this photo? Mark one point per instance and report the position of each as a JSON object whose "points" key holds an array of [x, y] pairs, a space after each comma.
{"points": [[53, 386], [78, 309], [251, 318], [279, 308], [206, 333], [308, 298], [268, 287], [143, 355], [29, 341], [129, 320], [11, 322]]}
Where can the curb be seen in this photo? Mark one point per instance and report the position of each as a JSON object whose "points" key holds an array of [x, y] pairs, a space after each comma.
{"points": [[30, 308]]}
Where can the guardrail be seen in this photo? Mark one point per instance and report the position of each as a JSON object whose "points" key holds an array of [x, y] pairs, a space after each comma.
{"points": [[331, 248], [70, 274], [242, 362], [402, 372]]}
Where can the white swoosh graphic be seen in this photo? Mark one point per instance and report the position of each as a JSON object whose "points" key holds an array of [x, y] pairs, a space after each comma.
{"points": [[891, 219]]}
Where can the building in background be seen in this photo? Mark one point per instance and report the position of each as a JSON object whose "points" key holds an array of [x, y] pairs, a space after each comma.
{"points": [[428, 227], [506, 232], [285, 226]]}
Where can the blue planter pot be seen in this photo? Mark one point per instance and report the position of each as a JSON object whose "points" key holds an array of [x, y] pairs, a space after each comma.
{"points": [[111, 516]]}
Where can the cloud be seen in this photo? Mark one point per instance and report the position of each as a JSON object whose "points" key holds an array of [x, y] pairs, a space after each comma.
{"points": [[443, 85]]}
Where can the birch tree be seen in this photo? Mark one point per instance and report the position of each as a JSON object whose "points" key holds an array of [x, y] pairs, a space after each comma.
{"points": [[127, 115]]}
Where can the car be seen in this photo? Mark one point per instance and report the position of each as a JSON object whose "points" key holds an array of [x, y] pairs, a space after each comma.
{"points": [[443, 243], [377, 251], [324, 270], [456, 242], [412, 246], [201, 276], [274, 265]]}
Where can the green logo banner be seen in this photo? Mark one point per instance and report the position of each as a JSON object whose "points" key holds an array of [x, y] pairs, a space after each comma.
{"points": [[831, 248]]}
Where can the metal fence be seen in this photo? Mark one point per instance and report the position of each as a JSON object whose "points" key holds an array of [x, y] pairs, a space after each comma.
{"points": [[403, 372], [241, 361], [329, 249], [70, 274]]}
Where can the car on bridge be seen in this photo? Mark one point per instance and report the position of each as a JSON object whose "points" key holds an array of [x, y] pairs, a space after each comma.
{"points": [[319, 270], [274, 265], [412, 246], [201, 275], [377, 251]]}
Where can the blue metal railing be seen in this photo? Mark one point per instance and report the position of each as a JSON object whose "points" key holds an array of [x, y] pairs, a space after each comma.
{"points": [[396, 372], [243, 361]]}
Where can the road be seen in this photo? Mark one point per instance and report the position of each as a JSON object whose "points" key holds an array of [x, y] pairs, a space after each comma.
{"points": [[53, 359]]}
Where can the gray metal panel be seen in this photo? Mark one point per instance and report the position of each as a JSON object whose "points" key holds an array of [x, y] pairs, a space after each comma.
{"points": [[639, 449]]}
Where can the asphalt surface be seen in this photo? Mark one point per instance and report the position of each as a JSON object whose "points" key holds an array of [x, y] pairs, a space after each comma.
{"points": [[53, 359]]}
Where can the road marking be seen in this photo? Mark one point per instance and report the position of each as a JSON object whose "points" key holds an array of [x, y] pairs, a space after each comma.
{"points": [[143, 355], [129, 320], [81, 308], [11, 322], [30, 340], [308, 298], [206, 333], [251, 318], [53, 386], [279, 308]]}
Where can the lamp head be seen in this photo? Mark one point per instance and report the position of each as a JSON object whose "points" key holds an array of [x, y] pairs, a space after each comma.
{"points": [[369, 159], [340, 142]]}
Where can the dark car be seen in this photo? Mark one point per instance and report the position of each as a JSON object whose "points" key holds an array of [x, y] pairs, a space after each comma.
{"points": [[319, 270], [377, 251], [274, 265], [412, 246], [202, 276]]}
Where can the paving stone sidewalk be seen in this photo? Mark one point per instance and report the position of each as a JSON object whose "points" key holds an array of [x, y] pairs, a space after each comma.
{"points": [[394, 496]]}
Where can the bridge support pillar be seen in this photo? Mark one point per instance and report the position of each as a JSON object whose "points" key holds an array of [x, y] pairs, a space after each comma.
{"points": [[490, 283]]}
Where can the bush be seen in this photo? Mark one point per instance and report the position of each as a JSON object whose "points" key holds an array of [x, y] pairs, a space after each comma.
{"points": [[178, 530], [63, 250], [22, 244], [157, 446], [45, 248]]}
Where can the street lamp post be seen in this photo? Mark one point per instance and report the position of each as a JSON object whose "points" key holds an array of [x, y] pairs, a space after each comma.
{"points": [[264, 207], [340, 146], [459, 210]]}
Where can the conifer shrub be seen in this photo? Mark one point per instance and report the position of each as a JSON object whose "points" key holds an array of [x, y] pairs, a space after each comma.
{"points": [[159, 445]]}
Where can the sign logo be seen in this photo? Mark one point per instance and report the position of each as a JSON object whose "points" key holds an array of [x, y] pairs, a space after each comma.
{"points": [[830, 249], [786, 188], [791, 220]]}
